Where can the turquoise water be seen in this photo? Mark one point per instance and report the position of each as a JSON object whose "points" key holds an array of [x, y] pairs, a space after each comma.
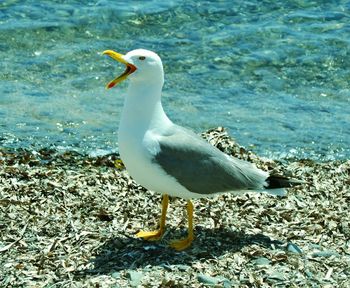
{"points": [[275, 73]]}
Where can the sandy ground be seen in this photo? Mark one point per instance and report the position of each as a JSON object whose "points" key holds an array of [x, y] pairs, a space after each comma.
{"points": [[67, 220]]}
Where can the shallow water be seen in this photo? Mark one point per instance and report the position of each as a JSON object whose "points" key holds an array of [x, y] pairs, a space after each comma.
{"points": [[275, 73]]}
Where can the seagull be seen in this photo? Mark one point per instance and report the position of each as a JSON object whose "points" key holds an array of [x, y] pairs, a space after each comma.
{"points": [[169, 159]]}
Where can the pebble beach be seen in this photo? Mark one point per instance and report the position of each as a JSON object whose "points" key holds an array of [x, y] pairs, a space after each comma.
{"points": [[69, 220]]}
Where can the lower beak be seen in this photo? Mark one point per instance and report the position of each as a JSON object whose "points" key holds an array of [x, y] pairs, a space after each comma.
{"points": [[130, 68]]}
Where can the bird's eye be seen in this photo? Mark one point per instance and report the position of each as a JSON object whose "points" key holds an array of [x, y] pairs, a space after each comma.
{"points": [[142, 57]]}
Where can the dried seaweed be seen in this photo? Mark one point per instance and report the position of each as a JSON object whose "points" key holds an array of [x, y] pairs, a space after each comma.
{"points": [[67, 220]]}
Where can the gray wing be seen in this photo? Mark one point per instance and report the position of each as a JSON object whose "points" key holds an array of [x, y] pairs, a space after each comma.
{"points": [[202, 168]]}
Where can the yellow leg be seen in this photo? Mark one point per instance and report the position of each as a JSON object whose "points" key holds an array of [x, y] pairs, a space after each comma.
{"points": [[186, 242], [157, 234]]}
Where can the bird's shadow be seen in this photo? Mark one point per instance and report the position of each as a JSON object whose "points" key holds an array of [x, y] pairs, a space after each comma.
{"points": [[125, 252]]}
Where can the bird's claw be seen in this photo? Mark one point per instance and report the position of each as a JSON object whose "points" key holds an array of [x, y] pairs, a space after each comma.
{"points": [[150, 235], [181, 244]]}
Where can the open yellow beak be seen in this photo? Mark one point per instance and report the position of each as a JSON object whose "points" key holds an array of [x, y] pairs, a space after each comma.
{"points": [[130, 68]]}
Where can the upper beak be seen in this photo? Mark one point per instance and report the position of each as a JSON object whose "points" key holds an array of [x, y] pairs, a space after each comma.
{"points": [[130, 68]]}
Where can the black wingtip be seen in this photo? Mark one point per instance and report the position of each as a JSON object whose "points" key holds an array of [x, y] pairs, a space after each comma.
{"points": [[277, 181]]}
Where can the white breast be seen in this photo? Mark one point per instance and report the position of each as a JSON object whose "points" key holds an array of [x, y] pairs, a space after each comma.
{"points": [[137, 157], [143, 121]]}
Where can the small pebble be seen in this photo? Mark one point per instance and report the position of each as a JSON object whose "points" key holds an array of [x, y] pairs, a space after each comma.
{"points": [[226, 282], [294, 248], [212, 281], [115, 275], [135, 278], [275, 275], [182, 267], [309, 273], [206, 279], [261, 261], [167, 267]]}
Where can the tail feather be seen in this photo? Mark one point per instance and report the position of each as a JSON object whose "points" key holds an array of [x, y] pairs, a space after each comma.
{"points": [[276, 181]]}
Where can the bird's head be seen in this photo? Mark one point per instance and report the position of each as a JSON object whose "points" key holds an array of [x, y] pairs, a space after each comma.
{"points": [[141, 66]]}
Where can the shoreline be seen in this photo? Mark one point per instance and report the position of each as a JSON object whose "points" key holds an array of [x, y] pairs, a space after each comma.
{"points": [[69, 220]]}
